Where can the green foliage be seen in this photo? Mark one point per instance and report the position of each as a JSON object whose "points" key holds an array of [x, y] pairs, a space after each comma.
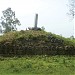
{"points": [[38, 65], [8, 20], [32, 42]]}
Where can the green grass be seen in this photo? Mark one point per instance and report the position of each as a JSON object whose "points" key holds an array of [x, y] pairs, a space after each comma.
{"points": [[38, 65], [30, 33]]}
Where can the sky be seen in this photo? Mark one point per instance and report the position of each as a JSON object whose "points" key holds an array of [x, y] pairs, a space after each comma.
{"points": [[52, 14]]}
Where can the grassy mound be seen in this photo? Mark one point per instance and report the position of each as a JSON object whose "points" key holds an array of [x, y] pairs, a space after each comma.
{"points": [[35, 43]]}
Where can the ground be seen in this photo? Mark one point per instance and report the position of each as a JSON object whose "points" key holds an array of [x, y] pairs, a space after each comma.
{"points": [[37, 65]]}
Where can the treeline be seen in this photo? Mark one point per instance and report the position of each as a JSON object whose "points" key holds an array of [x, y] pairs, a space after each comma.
{"points": [[35, 43]]}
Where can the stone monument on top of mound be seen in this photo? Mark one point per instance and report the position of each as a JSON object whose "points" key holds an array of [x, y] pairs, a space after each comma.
{"points": [[35, 25]]}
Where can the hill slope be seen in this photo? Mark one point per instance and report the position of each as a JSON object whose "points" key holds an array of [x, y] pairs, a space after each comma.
{"points": [[35, 43]]}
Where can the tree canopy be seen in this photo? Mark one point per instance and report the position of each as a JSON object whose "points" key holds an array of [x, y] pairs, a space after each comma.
{"points": [[9, 21], [71, 8]]}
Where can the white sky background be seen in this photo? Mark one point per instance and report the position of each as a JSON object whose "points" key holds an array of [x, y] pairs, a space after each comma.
{"points": [[51, 14]]}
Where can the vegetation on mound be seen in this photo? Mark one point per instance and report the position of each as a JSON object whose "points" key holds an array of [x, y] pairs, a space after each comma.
{"points": [[32, 42], [19, 34], [31, 34]]}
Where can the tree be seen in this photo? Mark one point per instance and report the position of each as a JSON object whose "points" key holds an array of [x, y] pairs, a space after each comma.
{"points": [[71, 8], [9, 21]]}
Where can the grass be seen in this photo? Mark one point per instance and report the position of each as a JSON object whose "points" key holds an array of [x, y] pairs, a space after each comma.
{"points": [[26, 34], [38, 65]]}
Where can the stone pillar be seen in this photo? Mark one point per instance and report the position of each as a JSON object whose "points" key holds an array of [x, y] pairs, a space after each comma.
{"points": [[36, 21]]}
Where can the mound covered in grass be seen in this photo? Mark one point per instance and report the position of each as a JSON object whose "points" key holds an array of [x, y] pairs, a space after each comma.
{"points": [[35, 43]]}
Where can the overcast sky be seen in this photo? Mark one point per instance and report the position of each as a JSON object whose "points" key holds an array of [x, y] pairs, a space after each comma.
{"points": [[51, 14]]}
